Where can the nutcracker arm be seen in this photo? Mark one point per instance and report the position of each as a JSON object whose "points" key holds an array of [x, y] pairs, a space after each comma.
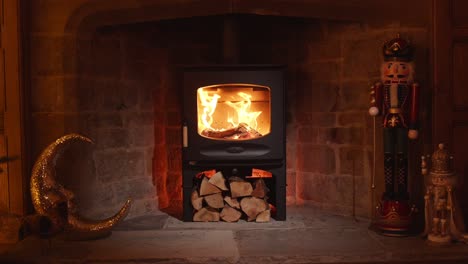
{"points": [[414, 107], [376, 99], [449, 200], [428, 193], [414, 112]]}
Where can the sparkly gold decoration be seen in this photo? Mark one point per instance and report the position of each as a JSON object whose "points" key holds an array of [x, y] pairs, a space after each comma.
{"points": [[50, 198]]}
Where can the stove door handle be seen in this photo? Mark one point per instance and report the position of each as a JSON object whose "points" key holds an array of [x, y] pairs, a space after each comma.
{"points": [[185, 136], [235, 149]]}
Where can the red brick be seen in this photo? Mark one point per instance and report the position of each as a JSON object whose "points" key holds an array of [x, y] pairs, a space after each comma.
{"points": [[315, 158], [307, 134]]}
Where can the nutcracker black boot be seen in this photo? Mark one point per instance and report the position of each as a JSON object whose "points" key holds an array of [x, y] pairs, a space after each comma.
{"points": [[402, 177], [389, 171]]}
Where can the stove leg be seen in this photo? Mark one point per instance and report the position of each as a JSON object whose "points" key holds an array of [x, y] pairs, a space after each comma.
{"points": [[188, 211], [280, 193]]}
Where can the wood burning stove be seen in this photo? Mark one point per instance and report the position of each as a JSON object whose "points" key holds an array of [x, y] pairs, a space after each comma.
{"points": [[234, 122]]}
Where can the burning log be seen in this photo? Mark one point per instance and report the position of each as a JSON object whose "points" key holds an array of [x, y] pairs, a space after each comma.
{"points": [[215, 200], [206, 215], [218, 181], [197, 201], [242, 131], [253, 206], [207, 188], [220, 134], [230, 214]]}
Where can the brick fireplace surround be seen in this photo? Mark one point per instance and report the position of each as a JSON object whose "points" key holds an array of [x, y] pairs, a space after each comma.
{"points": [[108, 69]]}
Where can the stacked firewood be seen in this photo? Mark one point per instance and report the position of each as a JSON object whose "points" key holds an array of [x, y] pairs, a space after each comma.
{"points": [[214, 198]]}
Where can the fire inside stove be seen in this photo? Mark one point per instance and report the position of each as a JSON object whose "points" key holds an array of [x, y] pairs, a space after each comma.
{"points": [[233, 111]]}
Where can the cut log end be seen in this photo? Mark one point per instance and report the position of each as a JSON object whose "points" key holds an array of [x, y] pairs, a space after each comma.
{"points": [[261, 190], [263, 217], [219, 181], [230, 214], [207, 188], [206, 215], [215, 200], [232, 202], [240, 189], [253, 206], [196, 200]]}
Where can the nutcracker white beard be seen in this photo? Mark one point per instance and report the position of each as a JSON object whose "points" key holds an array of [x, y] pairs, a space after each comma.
{"points": [[398, 72]]}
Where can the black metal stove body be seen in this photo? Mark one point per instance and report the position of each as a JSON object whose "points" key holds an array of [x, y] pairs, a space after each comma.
{"points": [[236, 157]]}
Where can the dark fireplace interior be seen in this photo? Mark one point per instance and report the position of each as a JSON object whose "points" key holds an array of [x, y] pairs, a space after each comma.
{"points": [[119, 84]]}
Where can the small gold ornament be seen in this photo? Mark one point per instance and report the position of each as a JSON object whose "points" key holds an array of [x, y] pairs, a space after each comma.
{"points": [[443, 220]]}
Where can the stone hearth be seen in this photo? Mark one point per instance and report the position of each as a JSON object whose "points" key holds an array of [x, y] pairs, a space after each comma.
{"points": [[308, 236]]}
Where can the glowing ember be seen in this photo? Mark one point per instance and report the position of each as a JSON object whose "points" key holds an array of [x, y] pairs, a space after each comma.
{"points": [[258, 173]]}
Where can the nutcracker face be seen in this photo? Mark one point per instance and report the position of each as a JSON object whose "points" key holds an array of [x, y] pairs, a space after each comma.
{"points": [[443, 181], [397, 72], [439, 181], [440, 192]]}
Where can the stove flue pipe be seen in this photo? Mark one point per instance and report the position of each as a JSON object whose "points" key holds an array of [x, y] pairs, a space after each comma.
{"points": [[231, 40]]}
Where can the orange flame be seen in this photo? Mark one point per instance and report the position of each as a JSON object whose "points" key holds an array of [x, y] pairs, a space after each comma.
{"points": [[242, 109], [209, 106], [242, 114]]}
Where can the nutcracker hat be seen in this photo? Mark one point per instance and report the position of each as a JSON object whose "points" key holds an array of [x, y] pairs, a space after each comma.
{"points": [[441, 161], [397, 49]]}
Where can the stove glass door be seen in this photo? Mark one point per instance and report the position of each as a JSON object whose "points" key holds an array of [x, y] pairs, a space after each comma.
{"points": [[233, 112]]}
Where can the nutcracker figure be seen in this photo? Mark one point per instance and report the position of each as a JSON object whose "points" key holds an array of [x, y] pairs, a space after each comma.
{"points": [[395, 98], [444, 221]]}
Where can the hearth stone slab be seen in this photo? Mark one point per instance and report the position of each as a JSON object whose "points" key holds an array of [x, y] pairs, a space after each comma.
{"points": [[150, 222], [417, 248], [122, 246], [320, 245], [315, 218], [308, 236], [174, 223], [187, 244]]}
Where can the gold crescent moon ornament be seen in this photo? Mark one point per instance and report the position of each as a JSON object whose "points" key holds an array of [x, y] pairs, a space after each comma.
{"points": [[51, 200]]}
